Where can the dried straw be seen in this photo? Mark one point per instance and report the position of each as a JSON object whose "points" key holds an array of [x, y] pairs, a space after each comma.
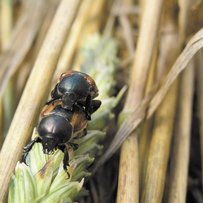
{"points": [[199, 73], [159, 147], [6, 22], [35, 90], [6, 18], [92, 26], [145, 137], [180, 154], [145, 47], [153, 100], [1, 124], [128, 181], [181, 145], [71, 43], [27, 26]]}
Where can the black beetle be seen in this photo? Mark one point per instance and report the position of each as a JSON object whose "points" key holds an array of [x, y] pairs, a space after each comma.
{"points": [[57, 129], [75, 87]]}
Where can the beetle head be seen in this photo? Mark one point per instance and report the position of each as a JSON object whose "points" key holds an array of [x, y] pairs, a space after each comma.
{"points": [[68, 100], [49, 144], [54, 130]]}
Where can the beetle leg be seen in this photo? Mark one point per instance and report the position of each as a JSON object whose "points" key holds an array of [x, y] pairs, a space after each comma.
{"points": [[50, 101], [29, 146], [84, 132], [64, 149], [88, 106], [66, 160], [73, 145], [95, 105], [54, 92]]}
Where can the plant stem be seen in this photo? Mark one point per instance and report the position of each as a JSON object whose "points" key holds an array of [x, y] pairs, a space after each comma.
{"points": [[145, 47], [35, 90], [72, 40], [181, 145]]}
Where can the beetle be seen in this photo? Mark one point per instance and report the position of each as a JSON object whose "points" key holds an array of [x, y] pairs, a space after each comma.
{"points": [[57, 129], [76, 87]]}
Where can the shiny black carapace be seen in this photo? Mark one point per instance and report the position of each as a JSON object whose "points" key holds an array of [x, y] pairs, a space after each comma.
{"points": [[57, 129], [75, 87]]}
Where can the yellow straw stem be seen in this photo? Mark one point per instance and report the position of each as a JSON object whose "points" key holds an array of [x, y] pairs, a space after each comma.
{"points": [[125, 172], [92, 26], [145, 136], [6, 31], [155, 167], [143, 57], [159, 149], [36, 90], [1, 124], [72, 41], [199, 73], [181, 144], [6, 22]]}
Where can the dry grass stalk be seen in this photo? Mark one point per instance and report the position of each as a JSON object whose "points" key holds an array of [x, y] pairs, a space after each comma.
{"points": [[145, 137], [156, 164], [8, 105], [25, 68], [1, 124], [22, 125], [144, 52], [181, 145], [126, 169], [6, 19], [50, 11], [27, 26], [199, 73], [153, 100], [92, 26], [95, 18], [193, 46], [159, 149], [180, 154], [6, 22], [145, 47], [109, 27], [71, 43], [184, 6], [127, 29]]}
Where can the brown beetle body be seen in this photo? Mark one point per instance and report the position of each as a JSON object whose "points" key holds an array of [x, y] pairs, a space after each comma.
{"points": [[65, 116], [58, 128]]}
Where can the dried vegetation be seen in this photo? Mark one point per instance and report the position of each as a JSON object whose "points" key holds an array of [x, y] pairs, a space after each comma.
{"points": [[153, 150]]}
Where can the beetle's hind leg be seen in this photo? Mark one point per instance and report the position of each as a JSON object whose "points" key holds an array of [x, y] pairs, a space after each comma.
{"points": [[88, 104], [95, 105], [91, 106], [74, 146], [29, 146]]}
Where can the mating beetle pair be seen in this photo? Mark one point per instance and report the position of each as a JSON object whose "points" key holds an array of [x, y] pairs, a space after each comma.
{"points": [[65, 116]]}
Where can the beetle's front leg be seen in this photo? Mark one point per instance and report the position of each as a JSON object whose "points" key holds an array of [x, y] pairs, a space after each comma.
{"points": [[66, 161], [64, 149], [29, 146]]}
